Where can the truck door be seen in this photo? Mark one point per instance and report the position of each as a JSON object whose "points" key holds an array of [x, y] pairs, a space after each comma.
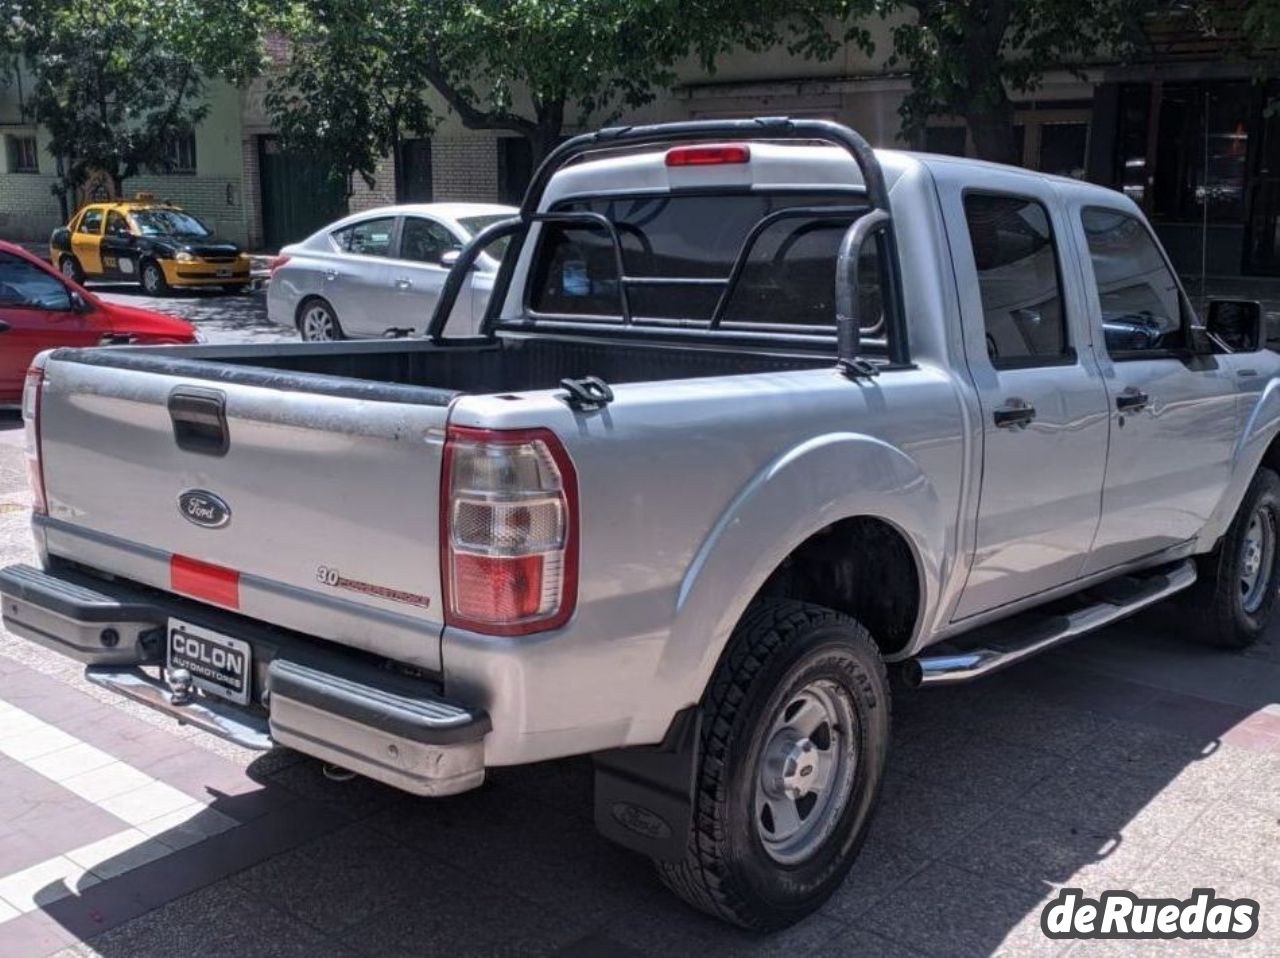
{"points": [[358, 279], [1044, 406], [1173, 413]]}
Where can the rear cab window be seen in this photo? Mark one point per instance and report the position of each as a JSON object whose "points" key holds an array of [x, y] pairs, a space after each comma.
{"points": [[788, 278]]}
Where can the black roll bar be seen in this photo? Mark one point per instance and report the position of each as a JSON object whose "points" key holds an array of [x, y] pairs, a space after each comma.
{"points": [[760, 128]]}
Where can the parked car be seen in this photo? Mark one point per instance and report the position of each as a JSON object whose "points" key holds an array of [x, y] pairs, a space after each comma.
{"points": [[899, 437], [158, 245], [41, 309], [380, 272]]}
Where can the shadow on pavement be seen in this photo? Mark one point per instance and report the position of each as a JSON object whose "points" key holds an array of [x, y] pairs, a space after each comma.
{"points": [[998, 793]]}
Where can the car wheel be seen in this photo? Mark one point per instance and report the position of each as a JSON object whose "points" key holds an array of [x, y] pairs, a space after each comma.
{"points": [[317, 322], [795, 731], [1233, 599], [152, 278], [69, 266]]}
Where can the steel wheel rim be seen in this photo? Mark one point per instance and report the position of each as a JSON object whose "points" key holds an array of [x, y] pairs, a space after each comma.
{"points": [[317, 325], [68, 269], [805, 772], [1257, 558], [150, 279]]}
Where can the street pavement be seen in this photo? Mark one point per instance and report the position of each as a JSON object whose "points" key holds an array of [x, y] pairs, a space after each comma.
{"points": [[1132, 759]]}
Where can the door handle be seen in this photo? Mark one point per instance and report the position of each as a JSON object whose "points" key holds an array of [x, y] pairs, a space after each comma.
{"points": [[331, 274], [403, 283], [1132, 400], [1014, 414]]}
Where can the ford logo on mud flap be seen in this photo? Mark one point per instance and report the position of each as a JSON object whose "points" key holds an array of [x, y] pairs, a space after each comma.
{"points": [[204, 509]]}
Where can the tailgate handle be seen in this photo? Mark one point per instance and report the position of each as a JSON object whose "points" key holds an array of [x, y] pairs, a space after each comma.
{"points": [[200, 420]]}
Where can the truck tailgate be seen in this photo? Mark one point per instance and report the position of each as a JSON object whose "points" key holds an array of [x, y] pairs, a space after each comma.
{"points": [[322, 510]]}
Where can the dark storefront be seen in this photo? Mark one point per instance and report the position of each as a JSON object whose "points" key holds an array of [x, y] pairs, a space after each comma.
{"points": [[1202, 158]]}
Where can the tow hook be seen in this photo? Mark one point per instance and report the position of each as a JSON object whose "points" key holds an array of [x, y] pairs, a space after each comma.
{"points": [[182, 690]]}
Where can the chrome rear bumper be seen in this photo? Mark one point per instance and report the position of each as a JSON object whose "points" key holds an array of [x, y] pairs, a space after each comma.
{"points": [[333, 705]]}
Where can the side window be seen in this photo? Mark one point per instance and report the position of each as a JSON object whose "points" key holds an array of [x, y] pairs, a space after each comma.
{"points": [[24, 285], [1142, 307], [425, 241], [116, 225], [368, 238], [91, 222], [1017, 260]]}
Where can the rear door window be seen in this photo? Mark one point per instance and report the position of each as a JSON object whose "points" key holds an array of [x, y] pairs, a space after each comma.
{"points": [[1017, 263], [788, 277], [366, 238], [91, 222]]}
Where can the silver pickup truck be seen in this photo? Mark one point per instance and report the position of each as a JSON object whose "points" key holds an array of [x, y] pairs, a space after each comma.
{"points": [[757, 417]]}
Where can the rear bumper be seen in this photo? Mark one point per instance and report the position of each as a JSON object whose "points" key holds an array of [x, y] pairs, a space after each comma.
{"points": [[335, 705]]}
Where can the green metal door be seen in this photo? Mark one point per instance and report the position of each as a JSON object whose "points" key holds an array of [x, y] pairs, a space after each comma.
{"points": [[300, 193]]}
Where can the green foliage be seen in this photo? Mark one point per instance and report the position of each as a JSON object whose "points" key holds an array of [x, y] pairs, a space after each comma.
{"points": [[115, 81], [965, 56], [352, 87]]}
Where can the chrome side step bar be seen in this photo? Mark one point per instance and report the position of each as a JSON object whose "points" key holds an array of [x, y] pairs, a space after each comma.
{"points": [[225, 721], [1006, 644]]}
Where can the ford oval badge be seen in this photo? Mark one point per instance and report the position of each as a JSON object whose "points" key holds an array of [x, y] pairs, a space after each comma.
{"points": [[204, 508]]}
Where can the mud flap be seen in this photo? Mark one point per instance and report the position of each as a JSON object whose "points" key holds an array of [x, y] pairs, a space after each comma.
{"points": [[644, 794]]}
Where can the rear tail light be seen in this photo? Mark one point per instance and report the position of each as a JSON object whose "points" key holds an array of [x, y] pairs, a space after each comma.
{"points": [[32, 391], [709, 155], [276, 263], [509, 504]]}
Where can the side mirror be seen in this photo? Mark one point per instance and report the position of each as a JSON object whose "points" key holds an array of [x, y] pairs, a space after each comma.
{"points": [[78, 303], [449, 258], [1237, 323]]}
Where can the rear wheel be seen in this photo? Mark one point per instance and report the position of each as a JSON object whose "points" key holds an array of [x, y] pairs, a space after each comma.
{"points": [[795, 734], [1232, 602], [152, 278], [318, 323], [69, 266]]}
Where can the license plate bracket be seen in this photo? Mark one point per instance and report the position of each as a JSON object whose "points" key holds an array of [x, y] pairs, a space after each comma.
{"points": [[219, 664]]}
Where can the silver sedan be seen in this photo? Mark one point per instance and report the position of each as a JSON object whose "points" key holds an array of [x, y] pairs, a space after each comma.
{"points": [[380, 272]]}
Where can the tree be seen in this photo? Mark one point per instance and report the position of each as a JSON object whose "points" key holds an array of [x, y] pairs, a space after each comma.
{"points": [[352, 87], [116, 81], [965, 57]]}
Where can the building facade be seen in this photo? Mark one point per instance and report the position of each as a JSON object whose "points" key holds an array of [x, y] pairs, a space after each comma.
{"points": [[1187, 134]]}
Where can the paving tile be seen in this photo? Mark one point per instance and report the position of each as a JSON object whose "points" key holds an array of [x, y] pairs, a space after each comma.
{"points": [[145, 803], [99, 784], [118, 853], [214, 923], [1030, 851], [1239, 836], [44, 883], [343, 879], [65, 763], [1260, 785], [36, 816], [881, 869], [995, 771], [923, 818], [858, 942], [356, 797], [36, 741], [187, 825], [32, 935], [952, 912]]}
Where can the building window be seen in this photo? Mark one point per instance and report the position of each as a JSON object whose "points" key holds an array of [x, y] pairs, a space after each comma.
{"points": [[24, 155], [1199, 122], [180, 154], [413, 169], [1063, 149], [515, 168]]}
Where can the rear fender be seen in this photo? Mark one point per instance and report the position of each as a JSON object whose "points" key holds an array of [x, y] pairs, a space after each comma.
{"points": [[811, 486]]}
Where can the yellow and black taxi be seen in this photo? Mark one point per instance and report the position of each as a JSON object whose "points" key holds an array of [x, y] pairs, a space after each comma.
{"points": [[155, 244]]}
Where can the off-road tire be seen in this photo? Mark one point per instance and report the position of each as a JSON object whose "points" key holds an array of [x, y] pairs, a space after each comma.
{"points": [[69, 267], [1214, 609], [778, 648]]}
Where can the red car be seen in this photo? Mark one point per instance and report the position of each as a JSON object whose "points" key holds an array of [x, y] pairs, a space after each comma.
{"points": [[41, 309]]}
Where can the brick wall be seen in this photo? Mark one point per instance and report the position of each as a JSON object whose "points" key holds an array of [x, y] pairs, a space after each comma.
{"points": [[251, 177], [29, 210], [465, 168], [383, 191]]}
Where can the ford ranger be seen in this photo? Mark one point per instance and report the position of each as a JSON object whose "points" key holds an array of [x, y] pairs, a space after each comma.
{"points": [[757, 416]]}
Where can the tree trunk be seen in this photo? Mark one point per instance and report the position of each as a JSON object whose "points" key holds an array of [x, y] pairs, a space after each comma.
{"points": [[993, 137]]}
